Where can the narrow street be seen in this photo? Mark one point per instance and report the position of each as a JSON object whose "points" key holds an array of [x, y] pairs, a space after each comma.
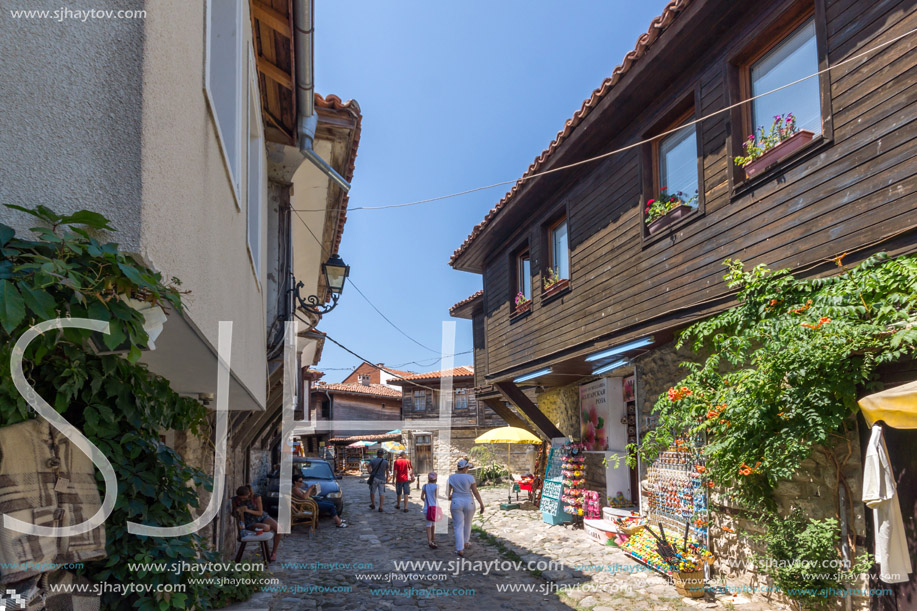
{"points": [[355, 567]]}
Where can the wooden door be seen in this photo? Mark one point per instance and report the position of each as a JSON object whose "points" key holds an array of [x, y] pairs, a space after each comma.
{"points": [[423, 461]]}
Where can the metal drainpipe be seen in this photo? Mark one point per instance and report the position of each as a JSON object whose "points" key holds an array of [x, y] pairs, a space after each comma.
{"points": [[304, 27]]}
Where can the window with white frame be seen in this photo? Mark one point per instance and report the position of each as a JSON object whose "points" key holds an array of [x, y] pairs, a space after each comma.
{"points": [[461, 399], [794, 58], [256, 174], [224, 80]]}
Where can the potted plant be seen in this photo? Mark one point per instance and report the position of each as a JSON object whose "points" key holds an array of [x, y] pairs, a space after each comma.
{"points": [[665, 209], [523, 303], [553, 283], [770, 147]]}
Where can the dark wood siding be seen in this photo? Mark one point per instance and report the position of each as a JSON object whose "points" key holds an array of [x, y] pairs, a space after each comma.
{"points": [[845, 195]]}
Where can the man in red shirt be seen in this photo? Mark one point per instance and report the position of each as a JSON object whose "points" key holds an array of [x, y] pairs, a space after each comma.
{"points": [[404, 473]]}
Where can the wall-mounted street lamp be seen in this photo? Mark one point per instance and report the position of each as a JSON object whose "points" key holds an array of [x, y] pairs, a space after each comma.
{"points": [[336, 272]]}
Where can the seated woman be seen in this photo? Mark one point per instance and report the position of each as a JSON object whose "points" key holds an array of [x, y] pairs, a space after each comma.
{"points": [[299, 493], [254, 515]]}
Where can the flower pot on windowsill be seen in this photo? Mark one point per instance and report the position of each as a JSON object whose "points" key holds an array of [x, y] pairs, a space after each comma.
{"points": [[664, 221], [522, 308], [778, 153], [557, 287]]}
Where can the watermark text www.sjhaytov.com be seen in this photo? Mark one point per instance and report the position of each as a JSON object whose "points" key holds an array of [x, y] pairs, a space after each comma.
{"points": [[83, 15]]}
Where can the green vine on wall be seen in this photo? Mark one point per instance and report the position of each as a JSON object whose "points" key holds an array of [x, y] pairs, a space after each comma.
{"points": [[116, 402], [784, 370]]}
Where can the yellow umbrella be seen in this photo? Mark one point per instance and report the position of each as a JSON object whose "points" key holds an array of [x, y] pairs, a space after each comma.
{"points": [[392, 446], [508, 435], [896, 406]]}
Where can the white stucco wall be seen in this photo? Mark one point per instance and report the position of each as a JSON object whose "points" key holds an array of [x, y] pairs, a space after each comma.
{"points": [[111, 115], [191, 226], [70, 115]]}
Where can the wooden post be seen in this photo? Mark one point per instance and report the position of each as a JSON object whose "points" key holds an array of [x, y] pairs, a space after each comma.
{"points": [[515, 396]]}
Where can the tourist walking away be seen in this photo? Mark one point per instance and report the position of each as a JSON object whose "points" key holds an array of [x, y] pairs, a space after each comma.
{"points": [[378, 475], [404, 475], [254, 516], [323, 506], [430, 509], [462, 492]]}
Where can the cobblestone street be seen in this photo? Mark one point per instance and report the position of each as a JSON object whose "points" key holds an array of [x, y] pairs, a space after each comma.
{"points": [[367, 577]]}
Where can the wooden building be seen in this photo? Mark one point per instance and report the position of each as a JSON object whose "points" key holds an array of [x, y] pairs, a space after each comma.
{"points": [[603, 289], [421, 398]]}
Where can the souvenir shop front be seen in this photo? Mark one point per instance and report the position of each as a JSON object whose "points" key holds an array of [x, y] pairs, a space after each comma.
{"points": [[660, 519]]}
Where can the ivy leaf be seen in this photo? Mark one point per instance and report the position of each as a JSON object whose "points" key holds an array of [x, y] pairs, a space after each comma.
{"points": [[132, 274], [41, 212], [6, 234], [39, 301], [115, 337], [87, 218], [12, 307]]}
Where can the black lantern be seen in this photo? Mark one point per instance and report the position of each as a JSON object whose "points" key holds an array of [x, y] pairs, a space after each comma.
{"points": [[335, 272]]}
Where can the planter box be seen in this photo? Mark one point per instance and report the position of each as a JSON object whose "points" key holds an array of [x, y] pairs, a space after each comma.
{"points": [[673, 215], [779, 153], [556, 288], [522, 308]]}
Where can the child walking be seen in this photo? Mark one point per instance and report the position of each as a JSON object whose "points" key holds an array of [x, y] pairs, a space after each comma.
{"points": [[428, 496]]}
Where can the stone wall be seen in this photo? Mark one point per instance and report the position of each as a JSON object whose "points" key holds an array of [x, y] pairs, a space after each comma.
{"points": [[561, 406], [461, 441], [813, 489]]}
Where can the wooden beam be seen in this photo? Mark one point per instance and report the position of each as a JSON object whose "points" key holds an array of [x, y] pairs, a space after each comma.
{"points": [[274, 73], [272, 18], [508, 415], [515, 396]]}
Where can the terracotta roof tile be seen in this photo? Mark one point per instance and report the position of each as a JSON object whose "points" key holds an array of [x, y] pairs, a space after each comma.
{"points": [[376, 390], [351, 106], [466, 301], [657, 26], [457, 372]]}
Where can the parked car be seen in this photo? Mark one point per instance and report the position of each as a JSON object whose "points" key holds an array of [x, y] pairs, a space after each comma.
{"points": [[314, 471]]}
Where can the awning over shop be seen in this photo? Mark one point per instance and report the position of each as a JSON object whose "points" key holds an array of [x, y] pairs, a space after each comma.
{"points": [[897, 407]]}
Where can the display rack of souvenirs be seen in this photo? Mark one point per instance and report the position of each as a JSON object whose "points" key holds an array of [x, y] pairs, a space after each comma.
{"points": [[592, 507], [676, 489], [619, 500], [644, 546], [573, 471]]}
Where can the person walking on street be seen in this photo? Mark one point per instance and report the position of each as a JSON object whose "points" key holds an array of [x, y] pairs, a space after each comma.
{"points": [[404, 475], [378, 474], [462, 492], [428, 497]]}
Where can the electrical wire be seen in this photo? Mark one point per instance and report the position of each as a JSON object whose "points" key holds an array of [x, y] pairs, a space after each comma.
{"points": [[392, 373], [419, 364], [325, 253], [522, 179]]}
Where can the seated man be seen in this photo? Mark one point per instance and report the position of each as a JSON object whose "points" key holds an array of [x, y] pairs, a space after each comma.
{"points": [[328, 506]]}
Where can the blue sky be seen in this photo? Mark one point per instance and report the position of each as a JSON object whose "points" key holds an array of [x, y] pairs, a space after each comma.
{"points": [[454, 96]]}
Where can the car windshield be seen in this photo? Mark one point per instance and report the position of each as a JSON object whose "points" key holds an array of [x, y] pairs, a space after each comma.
{"points": [[316, 470]]}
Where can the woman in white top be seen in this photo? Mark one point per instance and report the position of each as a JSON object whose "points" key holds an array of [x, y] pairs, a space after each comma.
{"points": [[461, 489]]}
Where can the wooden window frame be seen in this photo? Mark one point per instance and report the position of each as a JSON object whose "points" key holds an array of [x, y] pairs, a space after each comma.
{"points": [[455, 403], [414, 400], [551, 228], [676, 114], [517, 272], [768, 36]]}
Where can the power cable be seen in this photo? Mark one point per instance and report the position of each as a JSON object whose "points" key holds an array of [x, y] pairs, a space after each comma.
{"points": [[521, 180], [357, 289], [368, 362]]}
